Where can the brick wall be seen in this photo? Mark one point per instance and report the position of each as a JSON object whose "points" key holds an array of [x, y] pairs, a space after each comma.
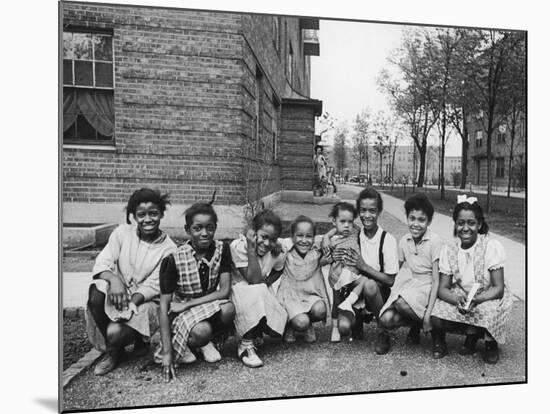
{"points": [[177, 96], [184, 102], [298, 132]]}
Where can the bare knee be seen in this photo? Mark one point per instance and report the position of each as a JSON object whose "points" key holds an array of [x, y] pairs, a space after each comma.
{"points": [[200, 335], [227, 313], [113, 332], [370, 288], [386, 319], [344, 325], [300, 322], [401, 306], [318, 311]]}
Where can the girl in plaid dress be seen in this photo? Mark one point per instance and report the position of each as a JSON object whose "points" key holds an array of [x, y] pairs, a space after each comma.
{"points": [[194, 282], [259, 262], [472, 257], [122, 304]]}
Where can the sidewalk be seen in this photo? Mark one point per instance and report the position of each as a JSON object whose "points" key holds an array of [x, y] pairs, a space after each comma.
{"points": [[75, 283]]}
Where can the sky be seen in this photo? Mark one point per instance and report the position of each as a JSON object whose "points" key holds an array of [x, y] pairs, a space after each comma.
{"points": [[344, 76]]}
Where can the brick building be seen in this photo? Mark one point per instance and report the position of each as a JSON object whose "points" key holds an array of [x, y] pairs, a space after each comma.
{"points": [[501, 145], [187, 102]]}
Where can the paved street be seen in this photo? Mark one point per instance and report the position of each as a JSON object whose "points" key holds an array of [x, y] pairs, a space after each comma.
{"points": [[302, 369]]}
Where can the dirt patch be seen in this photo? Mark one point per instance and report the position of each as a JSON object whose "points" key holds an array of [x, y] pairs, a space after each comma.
{"points": [[75, 340]]}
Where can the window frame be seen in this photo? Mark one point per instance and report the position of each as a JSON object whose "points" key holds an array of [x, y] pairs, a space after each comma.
{"points": [[87, 143], [500, 169], [479, 138]]}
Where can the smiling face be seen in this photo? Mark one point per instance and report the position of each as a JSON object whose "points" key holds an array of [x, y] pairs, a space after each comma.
{"points": [[418, 223], [201, 231], [147, 217], [303, 237], [368, 213], [467, 228], [344, 222], [266, 238]]}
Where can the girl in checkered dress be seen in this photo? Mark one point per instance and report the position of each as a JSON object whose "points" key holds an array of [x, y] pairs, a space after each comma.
{"points": [[194, 282], [472, 257]]}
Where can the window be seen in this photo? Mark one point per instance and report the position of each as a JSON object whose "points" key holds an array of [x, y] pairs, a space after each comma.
{"points": [[479, 138], [500, 167], [275, 144], [276, 36], [88, 88], [290, 62]]}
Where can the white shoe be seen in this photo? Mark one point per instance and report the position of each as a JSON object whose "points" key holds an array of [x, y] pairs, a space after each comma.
{"points": [[247, 354], [188, 357], [210, 353], [335, 335], [345, 306]]}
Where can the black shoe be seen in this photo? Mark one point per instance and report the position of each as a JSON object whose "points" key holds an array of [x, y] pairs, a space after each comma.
{"points": [[357, 330], [491, 352], [382, 343], [141, 348], [413, 336], [439, 347], [469, 345]]}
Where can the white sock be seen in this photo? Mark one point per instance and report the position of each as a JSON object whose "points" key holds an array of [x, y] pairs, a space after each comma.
{"points": [[352, 298]]}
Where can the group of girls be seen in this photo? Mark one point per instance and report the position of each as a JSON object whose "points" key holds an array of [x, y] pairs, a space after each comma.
{"points": [[204, 290]]}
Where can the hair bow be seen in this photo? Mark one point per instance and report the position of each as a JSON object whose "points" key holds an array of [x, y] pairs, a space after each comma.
{"points": [[465, 199]]}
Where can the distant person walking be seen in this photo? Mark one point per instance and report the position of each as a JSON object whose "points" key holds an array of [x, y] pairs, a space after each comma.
{"points": [[320, 169]]}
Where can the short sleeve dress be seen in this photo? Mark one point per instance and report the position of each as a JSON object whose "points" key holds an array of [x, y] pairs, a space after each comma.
{"points": [[253, 303], [466, 266], [302, 283], [416, 274]]}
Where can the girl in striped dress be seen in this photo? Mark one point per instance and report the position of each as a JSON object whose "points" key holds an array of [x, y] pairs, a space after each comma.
{"points": [[471, 260]]}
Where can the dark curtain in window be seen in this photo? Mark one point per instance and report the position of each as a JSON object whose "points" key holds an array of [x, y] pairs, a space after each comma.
{"points": [[95, 105]]}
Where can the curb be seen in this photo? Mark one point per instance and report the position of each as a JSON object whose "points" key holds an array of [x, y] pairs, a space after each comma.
{"points": [[86, 360], [80, 365]]}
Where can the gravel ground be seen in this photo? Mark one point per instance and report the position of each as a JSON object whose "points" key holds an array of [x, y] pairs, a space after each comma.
{"points": [[75, 340], [302, 369]]}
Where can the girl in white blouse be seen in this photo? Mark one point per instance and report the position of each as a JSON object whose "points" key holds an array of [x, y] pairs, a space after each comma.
{"points": [[472, 260]]}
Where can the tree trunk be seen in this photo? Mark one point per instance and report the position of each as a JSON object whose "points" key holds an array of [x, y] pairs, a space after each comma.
{"points": [[489, 162], [465, 145], [422, 169], [393, 164], [381, 177], [367, 159], [512, 138], [442, 160]]}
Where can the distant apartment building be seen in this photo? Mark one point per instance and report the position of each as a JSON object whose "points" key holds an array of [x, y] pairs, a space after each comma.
{"points": [[503, 151], [405, 164]]}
